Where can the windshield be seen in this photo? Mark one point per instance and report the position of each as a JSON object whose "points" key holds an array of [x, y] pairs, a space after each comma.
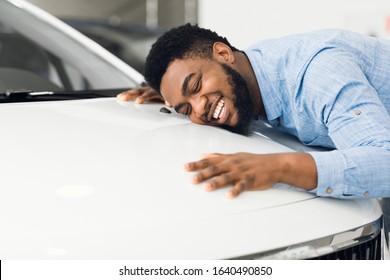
{"points": [[38, 52]]}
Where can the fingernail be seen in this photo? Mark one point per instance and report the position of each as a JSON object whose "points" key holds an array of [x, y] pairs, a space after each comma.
{"points": [[189, 166], [208, 187], [195, 179], [230, 195], [186, 167]]}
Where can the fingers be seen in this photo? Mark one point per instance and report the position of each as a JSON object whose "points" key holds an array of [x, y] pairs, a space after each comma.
{"points": [[221, 181], [209, 172], [149, 95], [241, 186], [197, 165], [126, 96], [206, 160], [140, 95], [221, 170], [210, 166], [131, 94]]}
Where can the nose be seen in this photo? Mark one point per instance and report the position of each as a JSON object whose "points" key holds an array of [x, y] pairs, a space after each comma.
{"points": [[199, 107]]}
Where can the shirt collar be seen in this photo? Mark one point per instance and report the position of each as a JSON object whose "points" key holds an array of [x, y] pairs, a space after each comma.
{"points": [[272, 103]]}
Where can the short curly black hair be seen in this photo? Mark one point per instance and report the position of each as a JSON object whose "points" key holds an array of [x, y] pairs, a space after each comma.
{"points": [[179, 43]]}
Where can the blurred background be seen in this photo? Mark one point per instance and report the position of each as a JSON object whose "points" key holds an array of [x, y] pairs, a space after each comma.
{"points": [[129, 27]]}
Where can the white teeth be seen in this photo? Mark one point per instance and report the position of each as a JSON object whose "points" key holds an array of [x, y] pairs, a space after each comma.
{"points": [[218, 109]]}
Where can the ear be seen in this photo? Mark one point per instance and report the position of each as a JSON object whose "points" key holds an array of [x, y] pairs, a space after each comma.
{"points": [[223, 53]]}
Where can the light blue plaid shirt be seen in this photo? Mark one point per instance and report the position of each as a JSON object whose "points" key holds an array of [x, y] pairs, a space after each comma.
{"points": [[331, 88]]}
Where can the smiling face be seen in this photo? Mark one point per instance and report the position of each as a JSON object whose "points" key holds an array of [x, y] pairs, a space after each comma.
{"points": [[209, 93]]}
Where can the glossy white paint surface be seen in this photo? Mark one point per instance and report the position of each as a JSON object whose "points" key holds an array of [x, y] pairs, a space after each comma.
{"points": [[100, 179]]}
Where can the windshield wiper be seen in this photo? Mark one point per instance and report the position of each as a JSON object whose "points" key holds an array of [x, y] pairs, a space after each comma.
{"points": [[24, 95]]}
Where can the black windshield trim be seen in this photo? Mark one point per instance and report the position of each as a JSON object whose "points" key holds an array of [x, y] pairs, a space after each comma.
{"points": [[31, 96]]}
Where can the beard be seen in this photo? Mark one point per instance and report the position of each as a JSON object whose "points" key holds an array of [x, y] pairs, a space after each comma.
{"points": [[241, 101]]}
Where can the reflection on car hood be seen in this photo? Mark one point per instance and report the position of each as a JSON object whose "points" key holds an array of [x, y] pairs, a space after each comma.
{"points": [[104, 179]]}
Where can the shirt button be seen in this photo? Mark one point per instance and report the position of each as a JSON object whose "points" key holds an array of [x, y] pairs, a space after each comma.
{"points": [[357, 112], [366, 194], [329, 190]]}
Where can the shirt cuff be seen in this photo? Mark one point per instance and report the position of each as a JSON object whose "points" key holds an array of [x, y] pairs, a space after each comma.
{"points": [[330, 172]]}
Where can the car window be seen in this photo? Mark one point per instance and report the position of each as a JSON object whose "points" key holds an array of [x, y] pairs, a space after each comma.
{"points": [[19, 55], [40, 52]]}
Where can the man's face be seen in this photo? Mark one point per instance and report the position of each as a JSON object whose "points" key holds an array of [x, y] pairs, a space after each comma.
{"points": [[209, 93]]}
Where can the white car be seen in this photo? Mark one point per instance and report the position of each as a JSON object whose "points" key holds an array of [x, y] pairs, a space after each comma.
{"points": [[84, 176]]}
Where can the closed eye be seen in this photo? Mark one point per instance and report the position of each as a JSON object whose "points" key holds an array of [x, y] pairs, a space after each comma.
{"points": [[197, 85], [187, 111], [183, 108], [189, 88]]}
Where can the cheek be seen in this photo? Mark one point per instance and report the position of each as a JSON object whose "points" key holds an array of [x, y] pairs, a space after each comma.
{"points": [[214, 83], [218, 85]]}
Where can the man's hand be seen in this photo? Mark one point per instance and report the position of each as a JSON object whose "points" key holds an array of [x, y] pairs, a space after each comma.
{"points": [[141, 95], [245, 171]]}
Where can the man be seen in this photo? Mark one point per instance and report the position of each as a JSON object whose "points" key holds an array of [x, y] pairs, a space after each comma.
{"points": [[329, 88]]}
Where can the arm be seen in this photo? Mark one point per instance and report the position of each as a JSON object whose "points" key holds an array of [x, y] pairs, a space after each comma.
{"points": [[254, 171], [357, 122]]}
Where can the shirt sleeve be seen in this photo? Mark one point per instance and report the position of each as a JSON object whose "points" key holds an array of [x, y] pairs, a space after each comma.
{"points": [[337, 93]]}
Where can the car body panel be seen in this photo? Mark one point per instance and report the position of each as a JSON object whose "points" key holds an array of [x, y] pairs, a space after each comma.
{"points": [[93, 179]]}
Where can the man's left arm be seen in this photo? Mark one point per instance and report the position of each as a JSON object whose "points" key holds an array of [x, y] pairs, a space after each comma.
{"points": [[246, 171]]}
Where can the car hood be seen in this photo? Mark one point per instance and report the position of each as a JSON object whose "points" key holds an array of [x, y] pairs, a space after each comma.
{"points": [[103, 179]]}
